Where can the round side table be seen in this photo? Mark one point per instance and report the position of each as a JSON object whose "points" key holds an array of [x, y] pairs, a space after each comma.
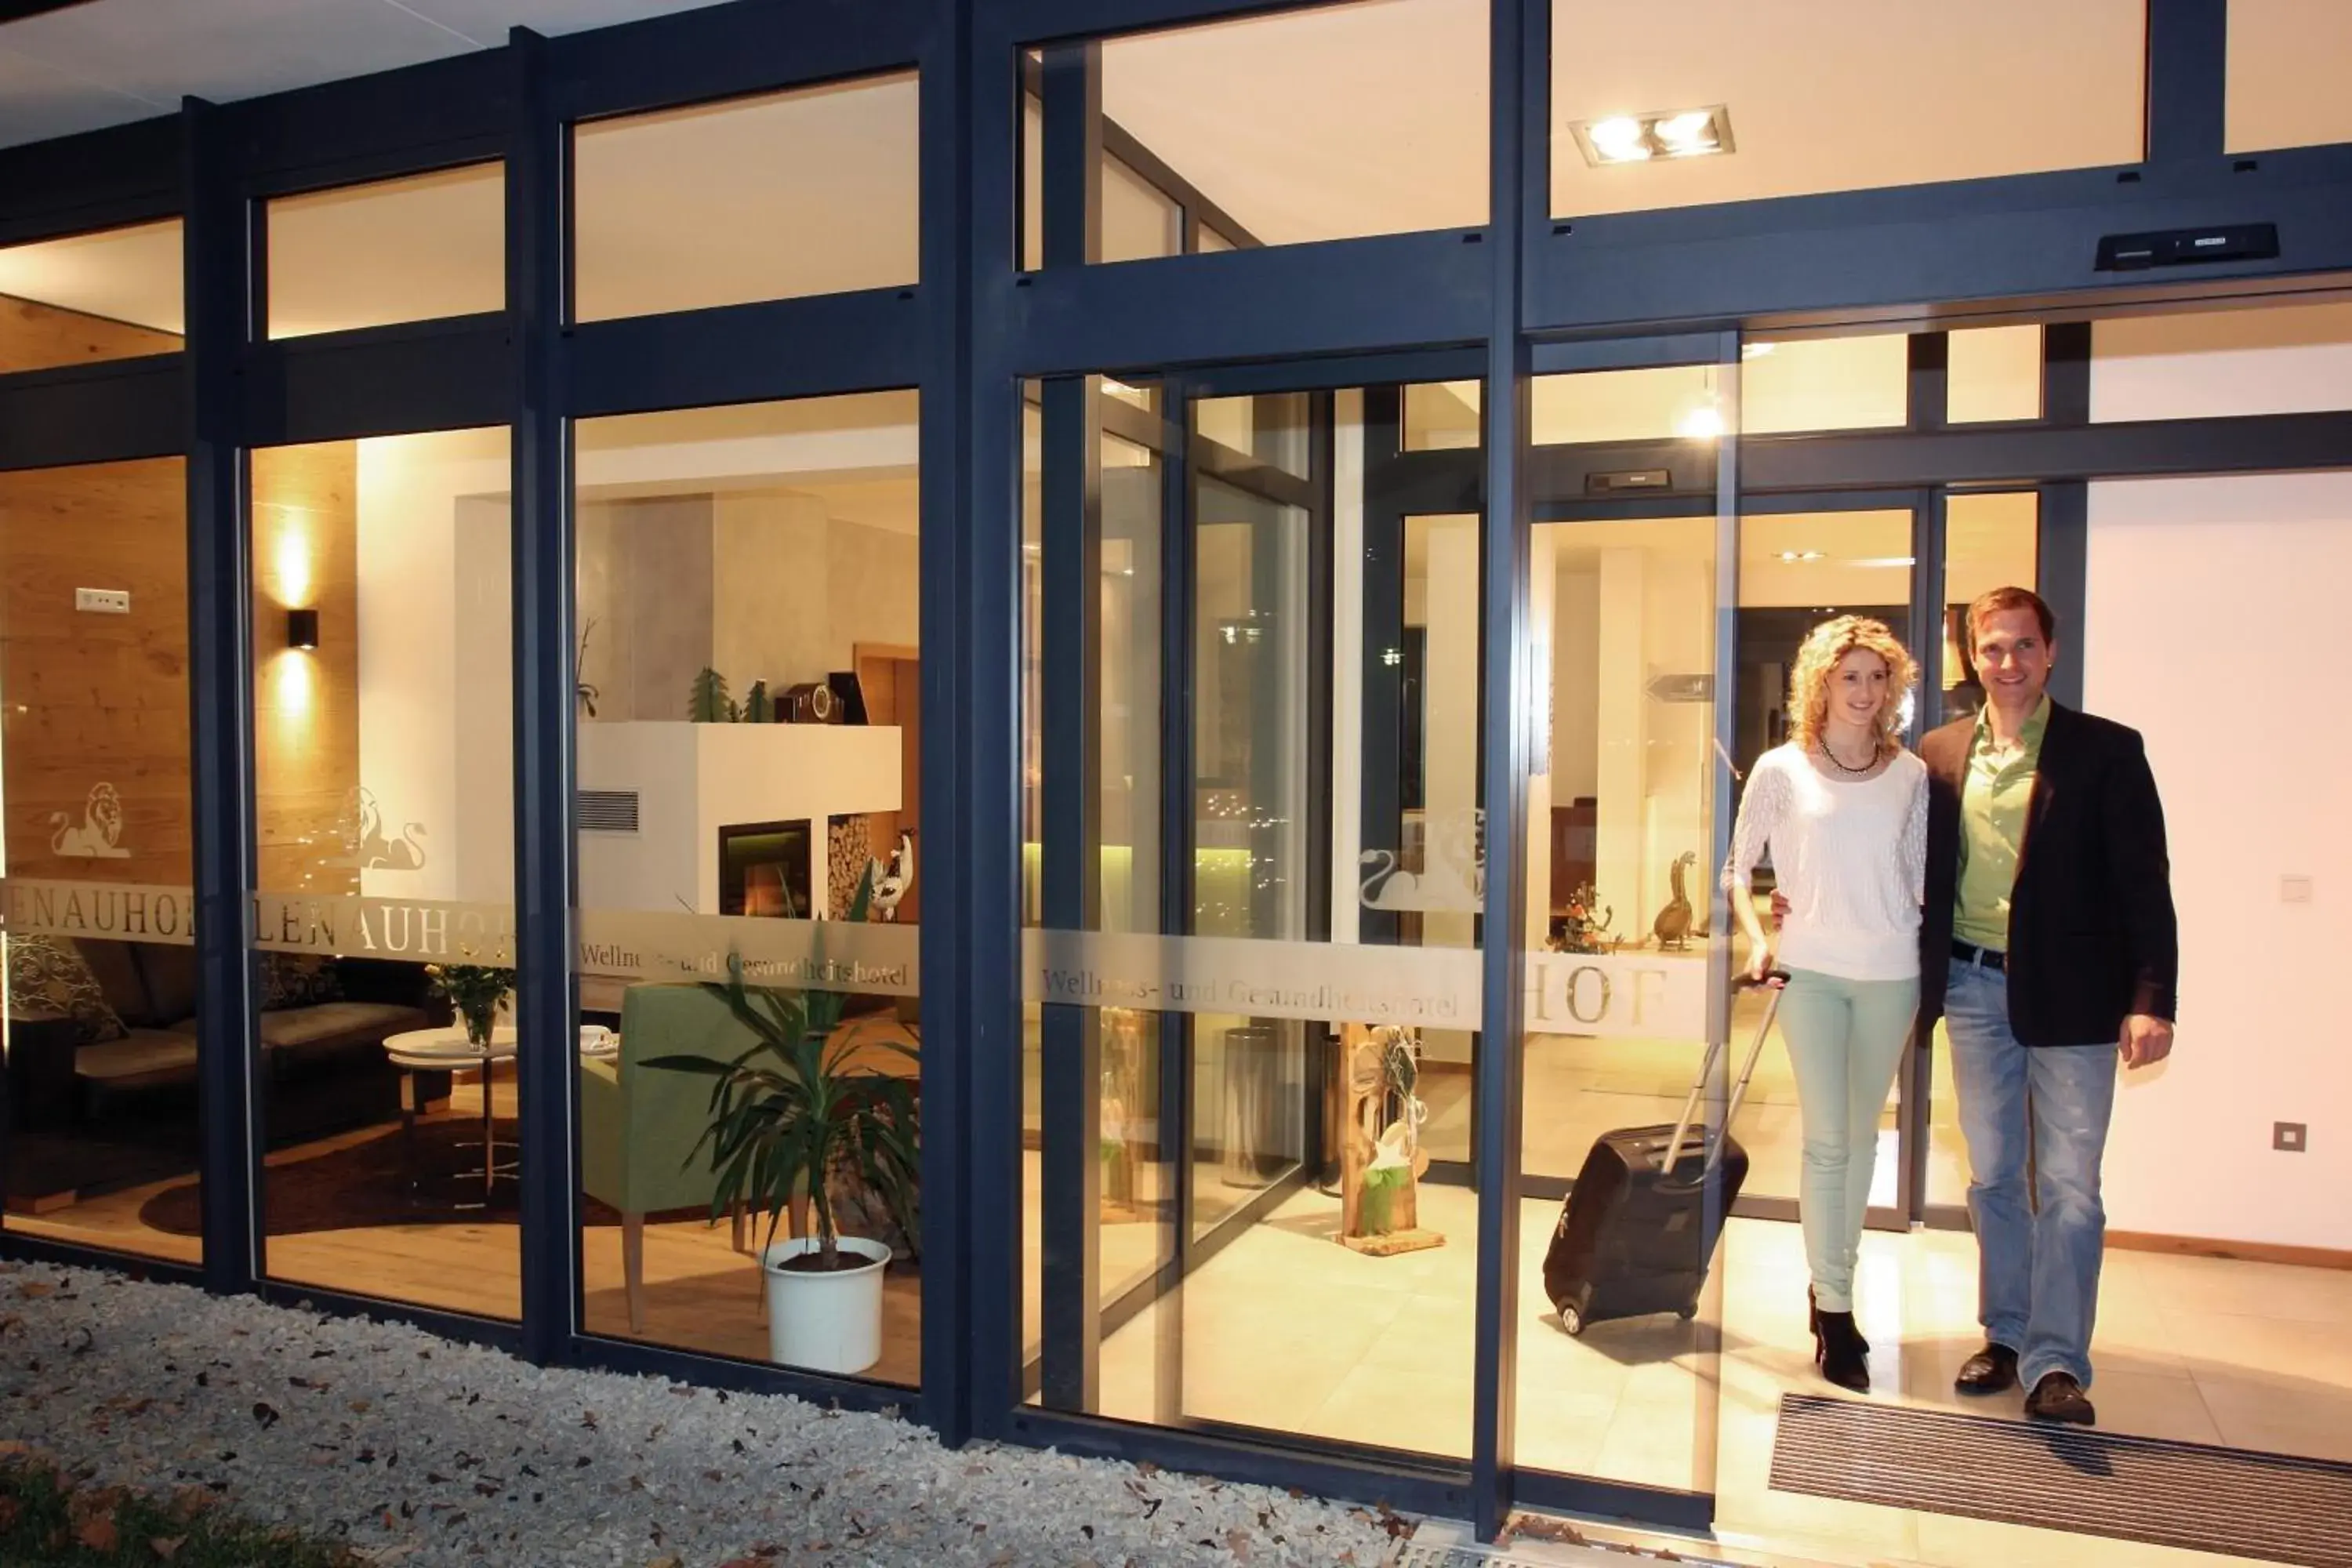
{"points": [[448, 1049]]}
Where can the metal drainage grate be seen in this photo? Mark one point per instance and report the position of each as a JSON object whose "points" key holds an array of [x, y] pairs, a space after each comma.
{"points": [[1442, 1553], [2273, 1507]]}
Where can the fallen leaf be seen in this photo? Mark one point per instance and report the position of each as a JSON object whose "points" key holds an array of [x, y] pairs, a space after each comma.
{"points": [[166, 1546], [34, 1290], [98, 1534], [264, 1414]]}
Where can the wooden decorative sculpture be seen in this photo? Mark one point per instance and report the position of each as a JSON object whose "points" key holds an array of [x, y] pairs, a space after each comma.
{"points": [[1673, 925], [1123, 1058], [1381, 1161]]}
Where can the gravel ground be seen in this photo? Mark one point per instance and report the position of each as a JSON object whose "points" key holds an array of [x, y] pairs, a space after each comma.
{"points": [[418, 1451]]}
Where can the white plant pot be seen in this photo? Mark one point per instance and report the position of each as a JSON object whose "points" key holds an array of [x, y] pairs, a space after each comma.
{"points": [[825, 1322]]}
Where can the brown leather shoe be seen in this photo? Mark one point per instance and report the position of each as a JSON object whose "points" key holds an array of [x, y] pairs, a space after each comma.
{"points": [[2058, 1397], [1991, 1370]]}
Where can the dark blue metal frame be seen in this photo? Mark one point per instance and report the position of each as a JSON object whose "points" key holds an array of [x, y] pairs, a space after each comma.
{"points": [[1528, 292]]}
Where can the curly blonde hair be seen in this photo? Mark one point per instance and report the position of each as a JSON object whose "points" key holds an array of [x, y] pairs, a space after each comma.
{"points": [[1824, 648]]}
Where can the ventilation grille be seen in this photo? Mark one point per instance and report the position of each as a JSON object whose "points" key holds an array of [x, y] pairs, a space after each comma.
{"points": [[608, 811]]}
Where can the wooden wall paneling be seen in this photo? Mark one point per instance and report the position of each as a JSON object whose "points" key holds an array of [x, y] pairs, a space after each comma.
{"points": [[95, 737], [34, 336], [306, 719], [889, 676]]}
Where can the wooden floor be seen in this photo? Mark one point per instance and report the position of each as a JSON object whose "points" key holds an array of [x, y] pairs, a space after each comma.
{"points": [[700, 1293]]}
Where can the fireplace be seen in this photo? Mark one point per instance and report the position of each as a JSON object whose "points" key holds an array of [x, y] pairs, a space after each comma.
{"points": [[765, 868]]}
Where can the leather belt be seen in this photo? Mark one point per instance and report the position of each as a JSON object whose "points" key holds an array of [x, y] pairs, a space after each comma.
{"points": [[1983, 957]]}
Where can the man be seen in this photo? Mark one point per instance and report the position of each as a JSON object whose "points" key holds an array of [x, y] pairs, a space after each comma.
{"points": [[2049, 947]]}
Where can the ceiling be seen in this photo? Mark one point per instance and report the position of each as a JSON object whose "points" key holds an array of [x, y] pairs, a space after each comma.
{"points": [[106, 62]]}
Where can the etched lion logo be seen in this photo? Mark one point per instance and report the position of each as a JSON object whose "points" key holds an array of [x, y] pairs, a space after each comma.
{"points": [[98, 837], [361, 827]]}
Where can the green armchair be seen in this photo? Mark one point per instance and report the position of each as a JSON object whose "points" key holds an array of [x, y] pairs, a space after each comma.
{"points": [[638, 1126]]}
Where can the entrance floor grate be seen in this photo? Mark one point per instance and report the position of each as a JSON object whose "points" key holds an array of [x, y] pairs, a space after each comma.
{"points": [[2273, 1507]]}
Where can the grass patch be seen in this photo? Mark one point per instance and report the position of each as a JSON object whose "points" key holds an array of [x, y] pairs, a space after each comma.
{"points": [[46, 1518]]}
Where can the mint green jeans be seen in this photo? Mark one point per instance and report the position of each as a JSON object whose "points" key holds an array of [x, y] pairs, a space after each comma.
{"points": [[1846, 1041]]}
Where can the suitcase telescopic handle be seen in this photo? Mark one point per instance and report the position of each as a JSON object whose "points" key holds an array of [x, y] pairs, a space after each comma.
{"points": [[1772, 980]]}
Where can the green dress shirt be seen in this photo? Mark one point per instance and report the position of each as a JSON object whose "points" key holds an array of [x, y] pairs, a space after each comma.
{"points": [[1993, 829]]}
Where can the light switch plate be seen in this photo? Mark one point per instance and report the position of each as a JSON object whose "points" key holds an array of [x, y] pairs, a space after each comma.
{"points": [[2289, 1137], [102, 601]]}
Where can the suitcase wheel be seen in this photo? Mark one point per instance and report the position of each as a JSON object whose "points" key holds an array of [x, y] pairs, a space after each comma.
{"points": [[1572, 1321]]}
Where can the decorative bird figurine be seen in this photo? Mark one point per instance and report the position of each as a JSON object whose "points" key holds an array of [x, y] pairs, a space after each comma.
{"points": [[894, 878], [1673, 925]]}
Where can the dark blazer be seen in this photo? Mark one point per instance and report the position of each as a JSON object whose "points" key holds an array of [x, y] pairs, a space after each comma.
{"points": [[2091, 936]]}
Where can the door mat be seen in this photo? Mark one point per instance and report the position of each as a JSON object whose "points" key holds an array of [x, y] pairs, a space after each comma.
{"points": [[2273, 1507]]}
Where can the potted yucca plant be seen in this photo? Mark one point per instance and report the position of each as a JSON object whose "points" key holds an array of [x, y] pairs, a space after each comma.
{"points": [[792, 1121]]}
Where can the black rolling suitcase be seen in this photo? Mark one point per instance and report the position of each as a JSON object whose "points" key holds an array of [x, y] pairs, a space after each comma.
{"points": [[1640, 1229]]}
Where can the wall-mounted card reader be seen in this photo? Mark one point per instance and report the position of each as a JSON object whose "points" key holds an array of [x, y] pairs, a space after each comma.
{"points": [[2182, 246]]}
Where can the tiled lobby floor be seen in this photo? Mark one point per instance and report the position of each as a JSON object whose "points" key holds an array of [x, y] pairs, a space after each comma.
{"points": [[1286, 1331]]}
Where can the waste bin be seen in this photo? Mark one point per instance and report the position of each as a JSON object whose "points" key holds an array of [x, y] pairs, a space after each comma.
{"points": [[1256, 1149]]}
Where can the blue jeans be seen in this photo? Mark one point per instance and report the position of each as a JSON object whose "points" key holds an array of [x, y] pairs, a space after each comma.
{"points": [[2037, 1264], [1846, 1041]]}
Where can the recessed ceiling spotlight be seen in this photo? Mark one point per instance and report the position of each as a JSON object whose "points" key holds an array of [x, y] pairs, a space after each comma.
{"points": [[1667, 133], [1704, 423], [1796, 555], [1621, 140]]}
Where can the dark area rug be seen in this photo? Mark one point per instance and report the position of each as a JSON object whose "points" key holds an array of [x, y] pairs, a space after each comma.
{"points": [[369, 1184], [45, 1164]]}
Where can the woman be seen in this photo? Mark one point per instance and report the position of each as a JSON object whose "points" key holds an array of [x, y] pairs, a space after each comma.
{"points": [[1844, 809]]}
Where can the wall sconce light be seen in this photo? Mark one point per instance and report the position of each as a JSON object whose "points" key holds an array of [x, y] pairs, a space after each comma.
{"points": [[302, 629]]}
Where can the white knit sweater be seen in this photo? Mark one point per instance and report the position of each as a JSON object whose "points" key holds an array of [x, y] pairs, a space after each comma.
{"points": [[1849, 856]]}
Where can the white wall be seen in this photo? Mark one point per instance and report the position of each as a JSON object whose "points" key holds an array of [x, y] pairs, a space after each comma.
{"points": [[2212, 603]]}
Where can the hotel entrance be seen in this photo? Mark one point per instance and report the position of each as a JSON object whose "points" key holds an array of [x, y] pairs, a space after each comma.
{"points": [[1252, 1135]]}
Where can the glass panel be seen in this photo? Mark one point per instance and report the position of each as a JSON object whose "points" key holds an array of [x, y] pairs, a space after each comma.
{"points": [[2276, 359], [113, 295], [1824, 384], [1271, 428], [808, 192], [1993, 372], [1990, 539], [1621, 815], [1264, 116], [750, 777], [2286, 74], [384, 808], [1301, 601], [1441, 415], [1137, 220], [412, 249], [1629, 405], [1758, 100], [1796, 571], [101, 995], [1032, 182]]}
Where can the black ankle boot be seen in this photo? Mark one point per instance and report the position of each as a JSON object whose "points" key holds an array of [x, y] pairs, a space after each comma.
{"points": [[1840, 1353], [1813, 1324]]}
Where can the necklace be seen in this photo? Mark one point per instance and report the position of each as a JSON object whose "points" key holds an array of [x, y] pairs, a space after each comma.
{"points": [[1838, 763]]}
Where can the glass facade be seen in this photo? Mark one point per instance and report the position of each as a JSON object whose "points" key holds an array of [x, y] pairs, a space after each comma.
{"points": [[566, 715], [94, 765], [384, 888], [749, 772], [90, 298], [412, 249]]}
